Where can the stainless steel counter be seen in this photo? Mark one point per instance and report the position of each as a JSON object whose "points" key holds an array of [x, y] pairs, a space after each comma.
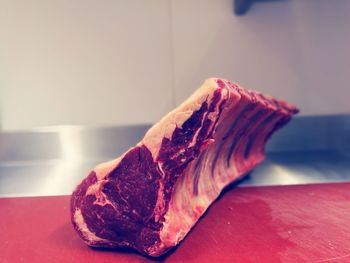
{"points": [[51, 161]]}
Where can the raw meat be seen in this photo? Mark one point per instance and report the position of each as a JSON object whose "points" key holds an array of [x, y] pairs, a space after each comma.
{"points": [[149, 198]]}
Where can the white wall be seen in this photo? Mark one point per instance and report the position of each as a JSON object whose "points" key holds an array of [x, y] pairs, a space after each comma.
{"points": [[84, 62], [125, 62]]}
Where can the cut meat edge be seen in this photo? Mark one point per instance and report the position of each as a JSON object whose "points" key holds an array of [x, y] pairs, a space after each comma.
{"points": [[204, 166]]}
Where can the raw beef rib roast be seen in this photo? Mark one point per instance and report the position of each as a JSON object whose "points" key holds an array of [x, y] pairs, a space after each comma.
{"points": [[149, 198]]}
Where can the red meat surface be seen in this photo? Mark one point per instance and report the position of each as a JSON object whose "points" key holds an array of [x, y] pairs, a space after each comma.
{"points": [[149, 198]]}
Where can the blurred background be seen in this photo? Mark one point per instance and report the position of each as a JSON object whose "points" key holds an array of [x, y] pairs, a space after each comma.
{"points": [[82, 81], [97, 63]]}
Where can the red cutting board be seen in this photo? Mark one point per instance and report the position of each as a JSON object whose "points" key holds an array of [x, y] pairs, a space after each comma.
{"points": [[305, 223]]}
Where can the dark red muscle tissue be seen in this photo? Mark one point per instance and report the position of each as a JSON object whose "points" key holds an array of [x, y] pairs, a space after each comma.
{"points": [[149, 198]]}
